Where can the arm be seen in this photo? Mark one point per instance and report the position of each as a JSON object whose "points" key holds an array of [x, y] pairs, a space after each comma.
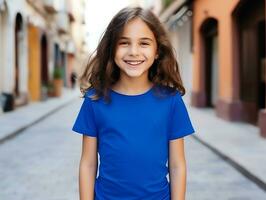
{"points": [[88, 168], [177, 169]]}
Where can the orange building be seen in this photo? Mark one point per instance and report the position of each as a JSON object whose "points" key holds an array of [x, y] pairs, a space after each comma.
{"points": [[229, 59], [34, 84]]}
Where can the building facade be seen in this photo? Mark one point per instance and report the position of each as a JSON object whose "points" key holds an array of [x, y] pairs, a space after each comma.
{"points": [[177, 18], [220, 47], [36, 36], [229, 59]]}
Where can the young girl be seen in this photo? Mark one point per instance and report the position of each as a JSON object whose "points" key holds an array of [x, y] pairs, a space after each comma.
{"points": [[133, 114]]}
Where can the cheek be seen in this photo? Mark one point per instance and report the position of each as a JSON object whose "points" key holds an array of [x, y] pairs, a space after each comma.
{"points": [[118, 58], [119, 53], [151, 54]]}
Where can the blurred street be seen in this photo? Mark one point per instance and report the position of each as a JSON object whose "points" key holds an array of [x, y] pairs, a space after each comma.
{"points": [[42, 162], [45, 160], [210, 177], [220, 49]]}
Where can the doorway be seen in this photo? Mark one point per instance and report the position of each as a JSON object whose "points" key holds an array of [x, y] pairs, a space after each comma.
{"points": [[210, 67], [250, 25], [18, 52], [44, 61]]}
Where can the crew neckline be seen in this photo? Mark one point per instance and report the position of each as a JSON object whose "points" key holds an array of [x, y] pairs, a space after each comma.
{"points": [[133, 95]]}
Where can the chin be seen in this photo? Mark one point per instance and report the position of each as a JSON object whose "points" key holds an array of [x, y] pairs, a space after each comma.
{"points": [[134, 74]]}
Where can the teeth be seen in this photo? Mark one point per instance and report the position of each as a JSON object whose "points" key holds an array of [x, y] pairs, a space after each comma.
{"points": [[134, 62]]}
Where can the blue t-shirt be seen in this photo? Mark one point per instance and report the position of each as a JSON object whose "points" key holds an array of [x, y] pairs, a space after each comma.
{"points": [[133, 133]]}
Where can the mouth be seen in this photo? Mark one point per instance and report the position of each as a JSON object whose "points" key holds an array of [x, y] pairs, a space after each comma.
{"points": [[134, 62]]}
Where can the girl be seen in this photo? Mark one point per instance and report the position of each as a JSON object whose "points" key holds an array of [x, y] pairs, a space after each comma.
{"points": [[133, 114]]}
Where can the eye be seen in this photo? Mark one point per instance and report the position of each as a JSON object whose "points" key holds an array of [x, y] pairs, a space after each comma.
{"points": [[144, 43], [123, 43]]}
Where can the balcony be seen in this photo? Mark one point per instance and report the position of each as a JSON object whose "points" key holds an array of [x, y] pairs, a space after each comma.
{"points": [[70, 11], [70, 47], [62, 19], [3, 6], [50, 6]]}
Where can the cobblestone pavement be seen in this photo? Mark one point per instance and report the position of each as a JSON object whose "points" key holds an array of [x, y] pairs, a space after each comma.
{"points": [[41, 163], [209, 177]]}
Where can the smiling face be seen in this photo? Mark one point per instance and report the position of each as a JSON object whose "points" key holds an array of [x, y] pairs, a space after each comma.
{"points": [[136, 50]]}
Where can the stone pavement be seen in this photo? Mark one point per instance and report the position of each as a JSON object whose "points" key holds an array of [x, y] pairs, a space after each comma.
{"points": [[12, 123], [209, 177], [240, 144]]}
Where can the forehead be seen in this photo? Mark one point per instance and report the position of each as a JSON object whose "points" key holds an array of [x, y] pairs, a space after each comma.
{"points": [[137, 28]]}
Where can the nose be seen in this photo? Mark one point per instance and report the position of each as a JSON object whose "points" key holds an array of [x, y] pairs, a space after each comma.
{"points": [[134, 50]]}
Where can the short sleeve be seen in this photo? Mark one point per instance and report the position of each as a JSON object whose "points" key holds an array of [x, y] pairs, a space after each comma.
{"points": [[85, 122], [180, 123]]}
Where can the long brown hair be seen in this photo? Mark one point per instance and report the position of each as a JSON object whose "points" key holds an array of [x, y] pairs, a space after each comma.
{"points": [[102, 72]]}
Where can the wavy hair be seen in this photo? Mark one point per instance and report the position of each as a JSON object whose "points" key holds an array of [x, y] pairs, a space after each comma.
{"points": [[102, 72]]}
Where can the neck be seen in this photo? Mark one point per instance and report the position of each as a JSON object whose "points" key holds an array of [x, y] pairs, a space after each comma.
{"points": [[128, 85]]}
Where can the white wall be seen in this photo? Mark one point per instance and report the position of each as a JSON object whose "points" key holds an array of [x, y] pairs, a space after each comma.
{"points": [[14, 7], [29, 15], [3, 44], [180, 38], [23, 57], [10, 61], [183, 47]]}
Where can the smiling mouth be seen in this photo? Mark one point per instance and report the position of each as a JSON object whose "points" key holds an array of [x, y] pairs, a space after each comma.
{"points": [[134, 62]]}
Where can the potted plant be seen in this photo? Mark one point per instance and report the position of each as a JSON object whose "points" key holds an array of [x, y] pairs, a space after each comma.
{"points": [[58, 81]]}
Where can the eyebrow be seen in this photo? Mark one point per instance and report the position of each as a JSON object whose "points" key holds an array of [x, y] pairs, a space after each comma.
{"points": [[127, 38]]}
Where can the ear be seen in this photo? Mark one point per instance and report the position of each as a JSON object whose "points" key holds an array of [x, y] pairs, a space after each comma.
{"points": [[156, 56]]}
